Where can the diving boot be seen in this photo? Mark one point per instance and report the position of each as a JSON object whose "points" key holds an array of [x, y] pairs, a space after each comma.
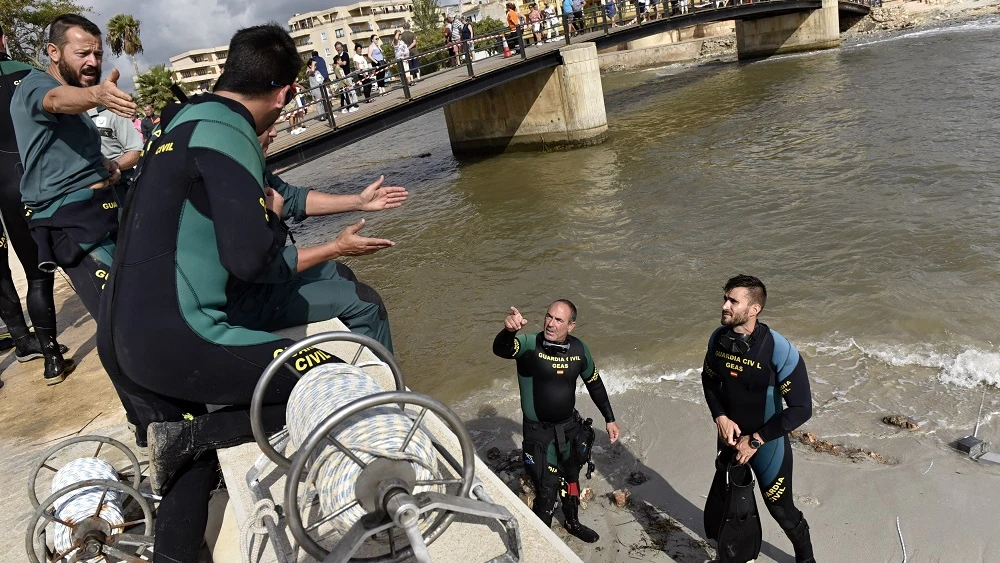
{"points": [[171, 446], [57, 368], [799, 535], [28, 348], [571, 510], [6, 341]]}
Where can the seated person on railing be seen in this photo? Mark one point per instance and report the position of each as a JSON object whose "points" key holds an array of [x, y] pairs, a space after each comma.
{"points": [[201, 225]]}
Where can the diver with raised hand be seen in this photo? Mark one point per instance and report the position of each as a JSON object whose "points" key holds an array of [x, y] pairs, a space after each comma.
{"points": [[748, 370], [557, 441]]}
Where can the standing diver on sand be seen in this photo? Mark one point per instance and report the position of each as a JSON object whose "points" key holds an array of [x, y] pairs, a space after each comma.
{"points": [[748, 369], [41, 307], [548, 364]]}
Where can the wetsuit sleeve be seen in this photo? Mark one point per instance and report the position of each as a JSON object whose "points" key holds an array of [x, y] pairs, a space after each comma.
{"points": [[295, 197], [712, 382], [595, 386], [251, 239], [793, 384], [509, 345]]}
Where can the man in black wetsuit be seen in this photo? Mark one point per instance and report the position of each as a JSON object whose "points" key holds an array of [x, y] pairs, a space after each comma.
{"points": [[557, 441], [748, 370], [41, 306]]}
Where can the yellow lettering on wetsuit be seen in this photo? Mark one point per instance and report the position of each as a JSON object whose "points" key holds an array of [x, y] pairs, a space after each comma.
{"points": [[306, 359], [560, 366], [786, 386], [165, 147], [776, 490], [594, 377], [558, 359], [111, 205], [16, 82], [264, 205], [738, 359]]}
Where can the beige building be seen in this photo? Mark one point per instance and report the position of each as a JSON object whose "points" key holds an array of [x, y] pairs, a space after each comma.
{"points": [[356, 23], [200, 67]]}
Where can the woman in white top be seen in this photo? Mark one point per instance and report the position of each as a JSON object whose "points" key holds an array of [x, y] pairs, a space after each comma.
{"points": [[364, 77], [315, 87], [551, 22], [377, 59]]}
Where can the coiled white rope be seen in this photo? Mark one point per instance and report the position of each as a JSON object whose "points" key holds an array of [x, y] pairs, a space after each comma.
{"points": [[82, 503], [371, 434], [255, 526]]}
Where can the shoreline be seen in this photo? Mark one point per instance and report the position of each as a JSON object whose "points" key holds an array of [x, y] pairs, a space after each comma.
{"points": [[893, 19]]}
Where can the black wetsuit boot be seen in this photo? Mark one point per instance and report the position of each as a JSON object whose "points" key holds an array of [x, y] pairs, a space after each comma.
{"points": [[571, 510], [56, 366], [799, 535]]}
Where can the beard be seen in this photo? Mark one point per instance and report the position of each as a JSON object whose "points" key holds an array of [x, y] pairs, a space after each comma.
{"points": [[88, 75], [734, 320]]}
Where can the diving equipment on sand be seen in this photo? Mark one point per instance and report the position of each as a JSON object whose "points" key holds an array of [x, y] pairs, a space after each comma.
{"points": [[93, 514], [731, 516]]}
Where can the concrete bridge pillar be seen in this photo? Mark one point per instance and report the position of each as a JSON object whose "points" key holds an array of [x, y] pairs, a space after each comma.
{"points": [[789, 33], [561, 107]]}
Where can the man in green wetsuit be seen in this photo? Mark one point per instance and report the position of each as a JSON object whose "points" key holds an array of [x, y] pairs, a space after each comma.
{"points": [[557, 441]]}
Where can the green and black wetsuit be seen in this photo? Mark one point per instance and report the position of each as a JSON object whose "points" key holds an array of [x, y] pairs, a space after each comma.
{"points": [[749, 387], [195, 222], [547, 377], [41, 306]]}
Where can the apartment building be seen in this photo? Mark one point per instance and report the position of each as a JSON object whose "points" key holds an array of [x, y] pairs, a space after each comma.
{"points": [[200, 67], [355, 23]]}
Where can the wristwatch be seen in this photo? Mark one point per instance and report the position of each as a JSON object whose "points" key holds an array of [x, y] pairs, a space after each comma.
{"points": [[755, 443]]}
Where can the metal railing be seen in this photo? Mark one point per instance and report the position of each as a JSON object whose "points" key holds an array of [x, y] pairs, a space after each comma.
{"points": [[461, 56]]}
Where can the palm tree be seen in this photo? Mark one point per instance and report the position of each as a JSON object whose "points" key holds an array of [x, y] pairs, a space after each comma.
{"points": [[123, 37]]}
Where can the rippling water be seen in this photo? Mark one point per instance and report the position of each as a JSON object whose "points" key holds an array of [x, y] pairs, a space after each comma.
{"points": [[862, 185]]}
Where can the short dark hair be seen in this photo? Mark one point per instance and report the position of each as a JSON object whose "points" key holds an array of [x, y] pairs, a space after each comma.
{"points": [[755, 287], [259, 57], [572, 308], [66, 22], [315, 53], [373, 38]]}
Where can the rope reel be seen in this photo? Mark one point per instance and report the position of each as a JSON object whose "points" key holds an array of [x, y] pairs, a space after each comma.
{"points": [[366, 481], [85, 514]]}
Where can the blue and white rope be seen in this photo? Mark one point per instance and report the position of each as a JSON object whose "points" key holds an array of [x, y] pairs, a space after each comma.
{"points": [[82, 503], [373, 433]]}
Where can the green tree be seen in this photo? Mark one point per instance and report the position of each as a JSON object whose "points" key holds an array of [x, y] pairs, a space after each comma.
{"points": [[153, 87], [123, 37], [24, 23], [426, 15]]}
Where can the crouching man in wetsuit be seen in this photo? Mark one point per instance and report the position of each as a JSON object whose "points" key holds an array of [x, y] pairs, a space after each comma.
{"points": [[557, 441], [198, 220], [748, 370]]}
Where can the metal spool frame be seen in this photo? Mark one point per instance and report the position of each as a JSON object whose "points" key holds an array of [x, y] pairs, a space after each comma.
{"points": [[92, 536], [394, 504], [101, 440]]}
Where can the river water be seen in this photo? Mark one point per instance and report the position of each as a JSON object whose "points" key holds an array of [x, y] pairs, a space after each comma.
{"points": [[862, 185]]}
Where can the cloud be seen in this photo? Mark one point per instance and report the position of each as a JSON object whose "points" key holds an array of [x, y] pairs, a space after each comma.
{"points": [[170, 28]]}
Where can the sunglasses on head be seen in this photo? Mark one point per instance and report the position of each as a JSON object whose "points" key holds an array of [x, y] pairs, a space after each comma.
{"points": [[289, 95]]}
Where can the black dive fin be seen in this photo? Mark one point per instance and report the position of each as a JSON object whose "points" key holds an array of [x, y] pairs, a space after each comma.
{"points": [[739, 536]]}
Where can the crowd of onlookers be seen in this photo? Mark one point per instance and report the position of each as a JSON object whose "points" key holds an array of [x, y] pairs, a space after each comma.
{"points": [[360, 77]]}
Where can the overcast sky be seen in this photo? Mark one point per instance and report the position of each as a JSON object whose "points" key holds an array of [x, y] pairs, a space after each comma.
{"points": [[170, 28]]}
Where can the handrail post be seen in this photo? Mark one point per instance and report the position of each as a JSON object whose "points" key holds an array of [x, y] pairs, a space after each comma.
{"points": [[468, 57], [604, 17], [566, 27], [521, 43], [401, 65], [327, 105]]}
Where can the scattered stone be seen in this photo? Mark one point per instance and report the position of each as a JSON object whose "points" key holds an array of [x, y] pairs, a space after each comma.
{"points": [[808, 438], [587, 494], [583, 504], [636, 478], [621, 497], [493, 454], [828, 447], [901, 421], [528, 498], [526, 485]]}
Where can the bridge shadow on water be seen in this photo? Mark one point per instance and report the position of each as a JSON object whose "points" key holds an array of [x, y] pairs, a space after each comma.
{"points": [[655, 506]]}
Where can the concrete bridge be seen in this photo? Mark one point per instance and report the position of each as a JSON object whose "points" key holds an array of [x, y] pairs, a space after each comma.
{"points": [[550, 96]]}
